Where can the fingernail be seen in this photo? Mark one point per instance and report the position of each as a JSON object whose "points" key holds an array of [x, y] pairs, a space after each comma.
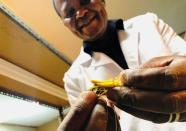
{"points": [[102, 103]]}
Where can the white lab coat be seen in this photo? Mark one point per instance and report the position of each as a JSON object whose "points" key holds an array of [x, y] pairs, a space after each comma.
{"points": [[144, 37]]}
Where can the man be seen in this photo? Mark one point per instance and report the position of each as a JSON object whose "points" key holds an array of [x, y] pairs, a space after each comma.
{"points": [[109, 47]]}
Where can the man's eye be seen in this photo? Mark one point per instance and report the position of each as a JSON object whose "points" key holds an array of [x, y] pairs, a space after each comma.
{"points": [[84, 2], [70, 12]]}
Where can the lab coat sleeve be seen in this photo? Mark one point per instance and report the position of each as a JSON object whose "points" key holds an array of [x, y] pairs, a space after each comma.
{"points": [[71, 87], [174, 42]]}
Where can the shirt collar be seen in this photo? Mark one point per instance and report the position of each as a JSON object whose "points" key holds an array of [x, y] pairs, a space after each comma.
{"points": [[99, 44]]}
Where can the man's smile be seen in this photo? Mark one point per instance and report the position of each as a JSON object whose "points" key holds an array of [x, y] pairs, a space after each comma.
{"points": [[86, 21]]}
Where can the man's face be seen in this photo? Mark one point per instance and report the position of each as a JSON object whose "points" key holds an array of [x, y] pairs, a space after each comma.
{"points": [[85, 18]]}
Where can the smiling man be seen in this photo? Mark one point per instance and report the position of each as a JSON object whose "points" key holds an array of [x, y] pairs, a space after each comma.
{"points": [[87, 19], [110, 46]]}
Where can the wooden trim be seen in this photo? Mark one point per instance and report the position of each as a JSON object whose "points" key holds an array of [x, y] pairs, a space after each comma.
{"points": [[4, 9], [185, 36], [16, 79]]}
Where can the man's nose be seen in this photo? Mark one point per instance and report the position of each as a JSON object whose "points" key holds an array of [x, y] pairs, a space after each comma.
{"points": [[81, 13]]}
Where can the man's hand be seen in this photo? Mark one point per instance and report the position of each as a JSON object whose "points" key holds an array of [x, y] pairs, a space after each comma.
{"points": [[155, 90], [161, 73], [90, 113]]}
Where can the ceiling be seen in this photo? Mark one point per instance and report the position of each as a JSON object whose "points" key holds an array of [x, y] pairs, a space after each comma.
{"points": [[21, 48]]}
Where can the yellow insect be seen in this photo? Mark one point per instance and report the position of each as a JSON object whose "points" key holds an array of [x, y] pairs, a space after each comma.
{"points": [[102, 86]]}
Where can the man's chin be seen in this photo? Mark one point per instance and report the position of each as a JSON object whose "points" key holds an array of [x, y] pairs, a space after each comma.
{"points": [[89, 35], [87, 38]]}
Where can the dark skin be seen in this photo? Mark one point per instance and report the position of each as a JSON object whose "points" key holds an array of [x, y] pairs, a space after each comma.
{"points": [[87, 19], [90, 113], [154, 90]]}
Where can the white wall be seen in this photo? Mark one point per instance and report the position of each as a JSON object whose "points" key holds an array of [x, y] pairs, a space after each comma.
{"points": [[4, 127]]}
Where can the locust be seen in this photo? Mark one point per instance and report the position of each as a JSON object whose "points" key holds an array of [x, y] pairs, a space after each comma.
{"points": [[102, 86]]}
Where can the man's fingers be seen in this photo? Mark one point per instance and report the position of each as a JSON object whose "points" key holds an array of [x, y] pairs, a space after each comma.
{"points": [[151, 101], [158, 62], [162, 73], [154, 117], [98, 118], [159, 78], [150, 116], [113, 120], [79, 113], [150, 78]]}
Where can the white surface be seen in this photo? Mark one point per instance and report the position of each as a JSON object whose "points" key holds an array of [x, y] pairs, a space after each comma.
{"points": [[21, 112]]}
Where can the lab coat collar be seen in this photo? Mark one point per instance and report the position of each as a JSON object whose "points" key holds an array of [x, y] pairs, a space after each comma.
{"points": [[83, 58], [130, 44], [98, 59]]}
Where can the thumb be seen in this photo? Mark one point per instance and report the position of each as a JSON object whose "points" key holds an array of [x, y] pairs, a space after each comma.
{"points": [[79, 112]]}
